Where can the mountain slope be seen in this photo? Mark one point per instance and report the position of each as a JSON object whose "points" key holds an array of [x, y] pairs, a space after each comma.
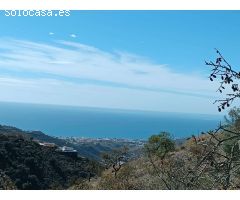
{"points": [[31, 166], [89, 148]]}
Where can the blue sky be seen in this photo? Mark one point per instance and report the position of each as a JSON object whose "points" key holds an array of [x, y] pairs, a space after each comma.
{"points": [[144, 60]]}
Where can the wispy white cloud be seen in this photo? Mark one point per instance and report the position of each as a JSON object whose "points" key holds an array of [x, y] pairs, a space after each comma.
{"points": [[70, 63], [73, 35]]}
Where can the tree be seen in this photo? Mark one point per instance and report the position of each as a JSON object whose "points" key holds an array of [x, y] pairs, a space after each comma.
{"points": [[5, 182], [115, 159], [228, 77], [233, 118], [160, 144]]}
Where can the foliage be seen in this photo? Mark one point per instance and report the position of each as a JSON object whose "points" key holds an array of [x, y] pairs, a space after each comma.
{"points": [[228, 78], [31, 166], [5, 182], [160, 144], [233, 119]]}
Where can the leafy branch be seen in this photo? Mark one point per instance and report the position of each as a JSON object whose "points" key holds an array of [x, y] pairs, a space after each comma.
{"points": [[224, 72]]}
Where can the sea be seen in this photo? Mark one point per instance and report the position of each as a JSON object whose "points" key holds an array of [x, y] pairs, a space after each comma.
{"points": [[70, 121]]}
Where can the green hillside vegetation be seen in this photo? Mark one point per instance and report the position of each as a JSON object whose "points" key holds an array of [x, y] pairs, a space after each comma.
{"points": [[24, 164]]}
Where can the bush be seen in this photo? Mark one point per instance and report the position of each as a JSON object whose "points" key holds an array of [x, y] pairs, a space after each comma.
{"points": [[160, 144]]}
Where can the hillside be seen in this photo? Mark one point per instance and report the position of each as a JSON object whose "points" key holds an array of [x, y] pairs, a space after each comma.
{"points": [[206, 162], [27, 165], [89, 147]]}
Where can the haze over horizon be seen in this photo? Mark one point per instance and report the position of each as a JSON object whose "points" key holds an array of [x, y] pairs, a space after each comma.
{"points": [[137, 60]]}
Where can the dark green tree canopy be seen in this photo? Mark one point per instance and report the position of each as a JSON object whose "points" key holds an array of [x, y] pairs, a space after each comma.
{"points": [[160, 144]]}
